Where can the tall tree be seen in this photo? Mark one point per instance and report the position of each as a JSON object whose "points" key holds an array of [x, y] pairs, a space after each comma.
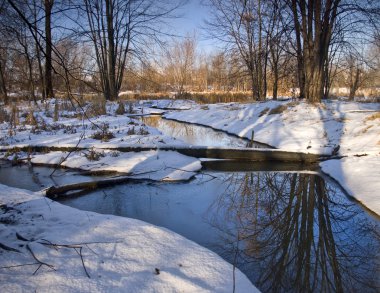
{"points": [[242, 27], [48, 7], [314, 23], [119, 29], [181, 62], [3, 89]]}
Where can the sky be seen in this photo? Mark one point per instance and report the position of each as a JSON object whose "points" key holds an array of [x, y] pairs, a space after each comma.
{"points": [[193, 16]]}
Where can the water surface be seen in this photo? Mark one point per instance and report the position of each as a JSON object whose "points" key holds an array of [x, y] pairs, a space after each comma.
{"points": [[196, 134], [286, 231], [286, 227]]}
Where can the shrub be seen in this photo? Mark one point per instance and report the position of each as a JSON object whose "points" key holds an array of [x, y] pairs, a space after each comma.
{"points": [[103, 134], [66, 105], [14, 116], [56, 114], [93, 155], [4, 116], [97, 108], [131, 131], [120, 109], [31, 120], [143, 131]]}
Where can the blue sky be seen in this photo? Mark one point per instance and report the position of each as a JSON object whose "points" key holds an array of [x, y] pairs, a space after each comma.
{"points": [[193, 16]]}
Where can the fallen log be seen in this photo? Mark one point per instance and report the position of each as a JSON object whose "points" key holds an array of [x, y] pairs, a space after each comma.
{"points": [[249, 166], [55, 192], [244, 154]]}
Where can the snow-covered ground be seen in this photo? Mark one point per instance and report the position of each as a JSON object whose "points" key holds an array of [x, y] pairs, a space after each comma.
{"points": [[122, 254], [299, 126], [88, 133], [61, 249], [153, 165]]}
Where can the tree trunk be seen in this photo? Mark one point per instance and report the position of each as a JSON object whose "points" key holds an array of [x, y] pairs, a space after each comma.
{"points": [[3, 89], [314, 80], [354, 85], [31, 82], [253, 87], [48, 5], [111, 54], [38, 55], [300, 66], [328, 80], [275, 84]]}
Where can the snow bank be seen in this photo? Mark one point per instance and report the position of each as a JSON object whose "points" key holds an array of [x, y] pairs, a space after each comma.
{"points": [[359, 176], [119, 254], [154, 165], [299, 127], [302, 127], [67, 132]]}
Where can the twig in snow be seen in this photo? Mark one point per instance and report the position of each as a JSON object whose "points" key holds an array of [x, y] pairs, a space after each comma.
{"points": [[75, 247], [81, 257], [19, 237], [22, 265], [178, 169], [70, 152], [41, 263], [5, 247], [79, 244], [90, 249]]}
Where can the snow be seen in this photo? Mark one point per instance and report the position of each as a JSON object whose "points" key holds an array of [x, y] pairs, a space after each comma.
{"points": [[122, 254], [67, 132], [359, 176], [119, 254], [127, 132], [303, 127], [154, 165]]}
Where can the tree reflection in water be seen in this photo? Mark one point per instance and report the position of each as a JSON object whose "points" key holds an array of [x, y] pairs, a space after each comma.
{"points": [[194, 134], [299, 232]]}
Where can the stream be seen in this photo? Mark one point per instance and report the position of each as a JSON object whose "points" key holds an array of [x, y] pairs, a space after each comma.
{"points": [[286, 226], [196, 134]]}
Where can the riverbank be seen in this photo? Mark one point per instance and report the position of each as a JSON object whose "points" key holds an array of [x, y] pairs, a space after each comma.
{"points": [[46, 246], [347, 129]]}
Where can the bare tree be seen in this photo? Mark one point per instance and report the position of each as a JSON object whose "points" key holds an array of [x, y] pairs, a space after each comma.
{"points": [[3, 89], [315, 23], [181, 62], [48, 7], [238, 25], [279, 56], [119, 29]]}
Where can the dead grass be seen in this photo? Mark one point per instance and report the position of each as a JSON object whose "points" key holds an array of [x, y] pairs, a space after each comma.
{"points": [[263, 112], [199, 97], [278, 110], [97, 108], [367, 128], [373, 117], [293, 104]]}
